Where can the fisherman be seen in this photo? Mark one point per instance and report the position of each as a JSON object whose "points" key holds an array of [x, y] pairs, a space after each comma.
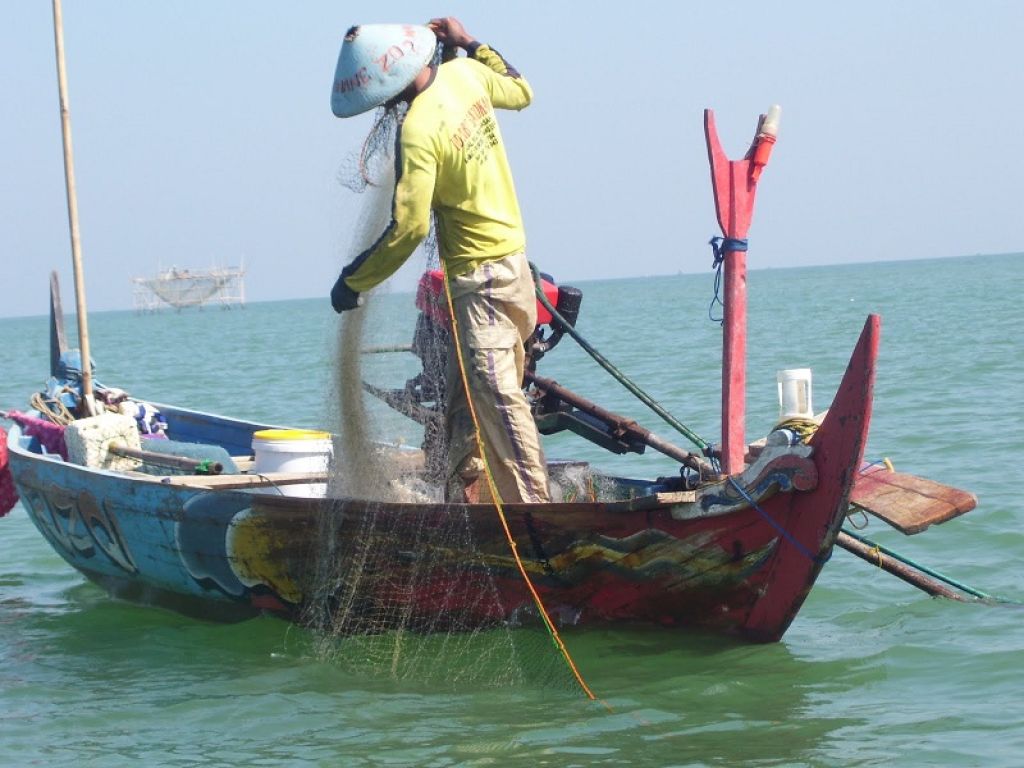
{"points": [[451, 161]]}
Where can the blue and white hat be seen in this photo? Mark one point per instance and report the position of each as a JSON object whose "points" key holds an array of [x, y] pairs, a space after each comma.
{"points": [[377, 62]]}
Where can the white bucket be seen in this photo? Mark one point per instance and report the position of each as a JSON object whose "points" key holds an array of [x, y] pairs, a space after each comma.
{"points": [[304, 490], [291, 450], [795, 394]]}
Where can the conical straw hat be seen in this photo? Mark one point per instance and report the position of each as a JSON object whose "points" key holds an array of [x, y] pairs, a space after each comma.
{"points": [[376, 63]]}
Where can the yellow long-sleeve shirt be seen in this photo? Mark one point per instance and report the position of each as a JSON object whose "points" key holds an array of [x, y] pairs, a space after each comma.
{"points": [[451, 158]]}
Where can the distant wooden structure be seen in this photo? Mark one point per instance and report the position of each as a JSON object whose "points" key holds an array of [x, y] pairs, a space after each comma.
{"points": [[182, 288]]}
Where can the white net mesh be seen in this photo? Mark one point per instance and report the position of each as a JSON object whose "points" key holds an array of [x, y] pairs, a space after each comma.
{"points": [[404, 587]]}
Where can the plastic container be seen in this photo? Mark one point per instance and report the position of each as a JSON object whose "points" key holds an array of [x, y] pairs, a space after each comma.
{"points": [[291, 450], [795, 394], [770, 126]]}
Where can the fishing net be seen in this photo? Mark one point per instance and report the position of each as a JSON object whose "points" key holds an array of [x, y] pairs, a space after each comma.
{"points": [[402, 588], [371, 166]]}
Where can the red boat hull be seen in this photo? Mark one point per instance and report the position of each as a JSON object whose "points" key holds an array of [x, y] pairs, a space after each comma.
{"points": [[711, 559], [745, 571]]}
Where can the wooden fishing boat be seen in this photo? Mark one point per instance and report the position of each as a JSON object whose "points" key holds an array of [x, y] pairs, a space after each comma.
{"points": [[734, 549], [738, 555]]}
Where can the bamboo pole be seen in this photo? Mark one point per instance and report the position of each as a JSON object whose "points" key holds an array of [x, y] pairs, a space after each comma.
{"points": [[899, 570], [88, 402]]}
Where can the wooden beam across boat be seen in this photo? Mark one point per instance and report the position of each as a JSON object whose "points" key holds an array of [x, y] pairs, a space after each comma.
{"points": [[233, 482]]}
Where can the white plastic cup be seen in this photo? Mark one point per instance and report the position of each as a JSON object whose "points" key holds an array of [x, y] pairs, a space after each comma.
{"points": [[770, 126], [795, 393]]}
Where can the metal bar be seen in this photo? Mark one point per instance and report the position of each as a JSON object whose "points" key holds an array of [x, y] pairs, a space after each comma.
{"points": [[622, 424]]}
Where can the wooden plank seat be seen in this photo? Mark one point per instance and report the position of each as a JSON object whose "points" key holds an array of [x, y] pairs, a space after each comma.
{"points": [[228, 482]]}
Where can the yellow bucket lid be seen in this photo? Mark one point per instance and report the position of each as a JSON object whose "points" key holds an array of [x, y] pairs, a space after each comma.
{"points": [[291, 434]]}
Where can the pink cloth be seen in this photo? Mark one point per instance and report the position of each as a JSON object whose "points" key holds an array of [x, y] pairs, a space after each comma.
{"points": [[8, 493], [50, 436]]}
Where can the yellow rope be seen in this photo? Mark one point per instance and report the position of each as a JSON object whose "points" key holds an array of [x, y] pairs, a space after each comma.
{"points": [[54, 410], [878, 555], [497, 497], [804, 428]]}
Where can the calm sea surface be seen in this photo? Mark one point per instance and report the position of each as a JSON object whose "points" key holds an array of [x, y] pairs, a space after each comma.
{"points": [[872, 672]]}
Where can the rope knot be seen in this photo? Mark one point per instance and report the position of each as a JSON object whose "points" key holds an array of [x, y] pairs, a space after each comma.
{"points": [[722, 245], [719, 247]]}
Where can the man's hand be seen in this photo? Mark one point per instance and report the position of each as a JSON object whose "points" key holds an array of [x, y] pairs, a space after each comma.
{"points": [[344, 298], [450, 31]]}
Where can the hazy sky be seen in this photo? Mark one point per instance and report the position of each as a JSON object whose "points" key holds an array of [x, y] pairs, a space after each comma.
{"points": [[203, 135]]}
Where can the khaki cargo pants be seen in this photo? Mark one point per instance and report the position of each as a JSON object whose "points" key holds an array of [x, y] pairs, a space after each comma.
{"points": [[496, 311]]}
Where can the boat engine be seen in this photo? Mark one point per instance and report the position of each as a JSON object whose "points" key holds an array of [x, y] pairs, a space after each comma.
{"points": [[422, 398], [554, 407], [432, 337]]}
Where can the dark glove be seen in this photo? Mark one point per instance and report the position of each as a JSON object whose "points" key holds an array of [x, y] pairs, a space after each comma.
{"points": [[344, 298]]}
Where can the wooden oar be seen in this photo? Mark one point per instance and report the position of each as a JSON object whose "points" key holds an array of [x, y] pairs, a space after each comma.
{"points": [[875, 556]]}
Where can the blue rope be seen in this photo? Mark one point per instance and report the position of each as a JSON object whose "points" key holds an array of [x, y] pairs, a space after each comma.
{"points": [[785, 534], [719, 247], [715, 299]]}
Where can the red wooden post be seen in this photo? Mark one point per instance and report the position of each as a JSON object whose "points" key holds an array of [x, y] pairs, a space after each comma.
{"points": [[734, 361], [734, 183]]}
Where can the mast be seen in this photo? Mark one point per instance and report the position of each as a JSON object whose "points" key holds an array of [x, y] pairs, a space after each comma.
{"points": [[88, 402], [734, 183]]}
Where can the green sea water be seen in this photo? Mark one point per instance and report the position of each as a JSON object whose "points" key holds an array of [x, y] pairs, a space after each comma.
{"points": [[872, 672]]}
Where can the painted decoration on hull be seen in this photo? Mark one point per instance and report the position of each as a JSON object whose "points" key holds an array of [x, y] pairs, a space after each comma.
{"points": [[225, 545], [78, 526], [232, 543]]}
